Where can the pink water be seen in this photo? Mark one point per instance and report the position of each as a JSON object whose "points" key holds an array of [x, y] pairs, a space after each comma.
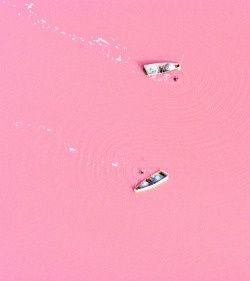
{"points": [[79, 119]]}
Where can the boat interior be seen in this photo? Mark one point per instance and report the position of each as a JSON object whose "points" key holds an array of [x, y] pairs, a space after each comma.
{"points": [[155, 178]]}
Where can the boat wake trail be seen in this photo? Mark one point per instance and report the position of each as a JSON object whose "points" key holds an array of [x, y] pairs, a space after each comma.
{"points": [[81, 162], [108, 47]]}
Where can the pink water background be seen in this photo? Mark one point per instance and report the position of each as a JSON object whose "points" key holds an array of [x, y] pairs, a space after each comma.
{"points": [[79, 119]]}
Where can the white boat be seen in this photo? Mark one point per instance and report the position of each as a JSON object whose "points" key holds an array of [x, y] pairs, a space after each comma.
{"points": [[159, 68], [152, 181]]}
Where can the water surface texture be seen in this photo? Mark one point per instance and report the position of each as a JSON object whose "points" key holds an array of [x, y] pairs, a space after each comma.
{"points": [[79, 119]]}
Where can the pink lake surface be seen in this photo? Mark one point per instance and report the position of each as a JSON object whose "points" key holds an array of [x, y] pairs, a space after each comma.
{"points": [[79, 119]]}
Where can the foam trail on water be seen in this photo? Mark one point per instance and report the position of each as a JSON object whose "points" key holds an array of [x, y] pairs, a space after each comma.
{"points": [[108, 47], [105, 163], [43, 128]]}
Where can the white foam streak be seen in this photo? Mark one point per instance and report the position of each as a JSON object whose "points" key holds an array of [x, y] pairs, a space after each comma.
{"points": [[25, 125], [108, 47]]}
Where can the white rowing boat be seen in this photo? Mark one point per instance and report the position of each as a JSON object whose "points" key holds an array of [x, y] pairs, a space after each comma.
{"points": [[160, 68], [152, 181]]}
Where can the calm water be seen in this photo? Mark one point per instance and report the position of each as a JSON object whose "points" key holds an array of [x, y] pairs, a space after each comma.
{"points": [[79, 119]]}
